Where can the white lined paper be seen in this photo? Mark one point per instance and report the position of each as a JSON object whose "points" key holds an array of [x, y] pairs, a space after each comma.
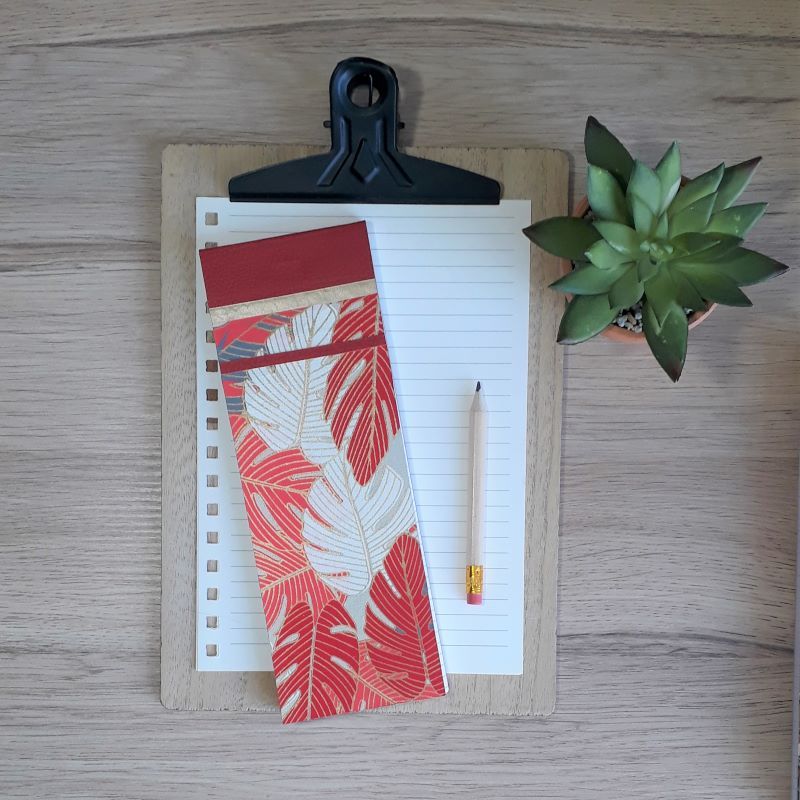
{"points": [[454, 284]]}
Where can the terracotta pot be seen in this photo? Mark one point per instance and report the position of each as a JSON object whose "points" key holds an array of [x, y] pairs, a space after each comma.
{"points": [[623, 334]]}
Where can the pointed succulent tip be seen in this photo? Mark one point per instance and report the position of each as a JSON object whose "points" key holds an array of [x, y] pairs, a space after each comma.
{"points": [[674, 371], [566, 339]]}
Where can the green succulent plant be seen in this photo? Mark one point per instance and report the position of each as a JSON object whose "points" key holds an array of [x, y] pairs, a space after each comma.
{"points": [[650, 236]]}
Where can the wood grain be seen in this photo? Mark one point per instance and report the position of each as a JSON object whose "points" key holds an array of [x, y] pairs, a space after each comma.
{"points": [[191, 171], [678, 508]]}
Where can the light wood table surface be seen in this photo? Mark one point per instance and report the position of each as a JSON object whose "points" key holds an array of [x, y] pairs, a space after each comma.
{"points": [[678, 524]]}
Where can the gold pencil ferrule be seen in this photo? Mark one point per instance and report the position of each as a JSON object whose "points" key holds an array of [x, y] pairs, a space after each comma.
{"points": [[474, 579]]}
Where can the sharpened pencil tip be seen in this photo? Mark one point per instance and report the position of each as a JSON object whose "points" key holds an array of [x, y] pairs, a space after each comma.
{"points": [[478, 387]]}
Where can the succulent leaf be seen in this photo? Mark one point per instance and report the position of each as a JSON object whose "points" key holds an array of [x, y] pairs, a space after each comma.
{"points": [[747, 267], [734, 182], [586, 316], [603, 255], [703, 246], [620, 237], [701, 186], [713, 283], [604, 150], [645, 184], [669, 173], [589, 280], [692, 242], [643, 218], [686, 294], [659, 294], [662, 227], [605, 196], [716, 252], [694, 217], [736, 220], [667, 340], [627, 290], [566, 237], [646, 268]]}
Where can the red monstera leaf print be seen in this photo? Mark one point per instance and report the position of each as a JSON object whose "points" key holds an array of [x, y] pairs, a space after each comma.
{"points": [[401, 641], [358, 317], [238, 426], [316, 662], [285, 578], [372, 691], [359, 397], [275, 486]]}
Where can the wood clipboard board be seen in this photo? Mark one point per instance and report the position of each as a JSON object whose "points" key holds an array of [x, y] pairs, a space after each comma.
{"points": [[190, 171]]}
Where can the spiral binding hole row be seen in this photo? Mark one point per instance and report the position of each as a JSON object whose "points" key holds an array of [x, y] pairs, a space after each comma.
{"points": [[212, 480]]}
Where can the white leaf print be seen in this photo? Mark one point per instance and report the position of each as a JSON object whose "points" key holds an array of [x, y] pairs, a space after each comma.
{"points": [[284, 401], [350, 528], [311, 328]]}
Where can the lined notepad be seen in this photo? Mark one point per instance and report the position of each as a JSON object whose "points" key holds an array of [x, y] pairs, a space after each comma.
{"points": [[454, 288]]}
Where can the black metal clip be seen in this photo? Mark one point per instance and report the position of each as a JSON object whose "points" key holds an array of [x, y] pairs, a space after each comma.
{"points": [[364, 164]]}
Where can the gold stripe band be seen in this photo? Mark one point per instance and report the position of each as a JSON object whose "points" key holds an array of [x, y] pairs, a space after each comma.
{"points": [[474, 579], [271, 305]]}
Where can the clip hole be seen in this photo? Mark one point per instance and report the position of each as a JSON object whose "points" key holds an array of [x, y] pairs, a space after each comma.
{"points": [[363, 92]]}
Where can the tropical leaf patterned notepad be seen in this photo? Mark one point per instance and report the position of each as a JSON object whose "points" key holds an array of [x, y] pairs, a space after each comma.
{"points": [[308, 386]]}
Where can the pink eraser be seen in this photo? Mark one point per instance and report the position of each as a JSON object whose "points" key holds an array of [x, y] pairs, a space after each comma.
{"points": [[474, 599]]}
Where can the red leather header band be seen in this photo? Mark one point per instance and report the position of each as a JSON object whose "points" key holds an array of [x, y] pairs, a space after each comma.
{"points": [[332, 349], [281, 265]]}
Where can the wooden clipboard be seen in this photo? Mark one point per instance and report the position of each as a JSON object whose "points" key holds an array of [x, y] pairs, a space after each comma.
{"points": [[190, 171], [363, 164]]}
